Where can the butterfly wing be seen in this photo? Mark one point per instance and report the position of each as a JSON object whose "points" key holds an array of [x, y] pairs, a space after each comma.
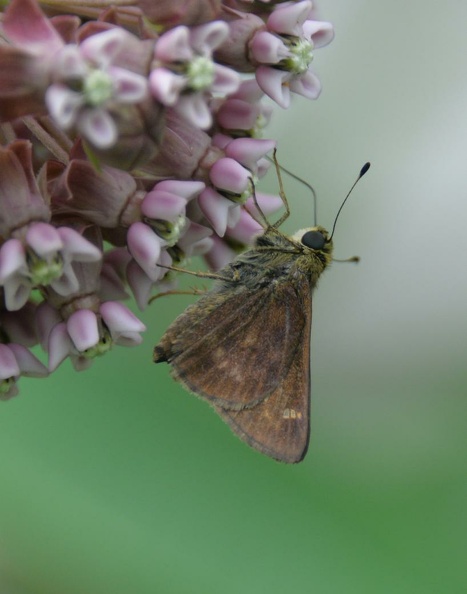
{"points": [[279, 426], [217, 347]]}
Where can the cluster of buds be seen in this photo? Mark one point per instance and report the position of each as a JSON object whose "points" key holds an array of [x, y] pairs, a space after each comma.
{"points": [[130, 141]]}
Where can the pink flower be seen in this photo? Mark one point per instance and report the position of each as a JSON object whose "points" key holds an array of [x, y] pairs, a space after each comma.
{"points": [[286, 50], [164, 214], [44, 258], [125, 154], [86, 334], [90, 67], [232, 179], [15, 361], [242, 232], [34, 253], [185, 73], [243, 114]]}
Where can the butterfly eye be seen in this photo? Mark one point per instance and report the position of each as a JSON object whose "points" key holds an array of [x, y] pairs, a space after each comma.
{"points": [[314, 240]]}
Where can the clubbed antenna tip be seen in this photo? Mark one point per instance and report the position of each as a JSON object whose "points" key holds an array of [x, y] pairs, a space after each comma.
{"points": [[364, 169]]}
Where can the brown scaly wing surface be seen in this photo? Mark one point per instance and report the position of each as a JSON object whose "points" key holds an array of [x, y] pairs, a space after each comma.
{"points": [[279, 426], [217, 347]]}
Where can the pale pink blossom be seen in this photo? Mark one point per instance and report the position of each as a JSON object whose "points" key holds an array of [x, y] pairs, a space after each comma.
{"points": [[15, 361], [185, 74], [102, 84], [284, 52]]}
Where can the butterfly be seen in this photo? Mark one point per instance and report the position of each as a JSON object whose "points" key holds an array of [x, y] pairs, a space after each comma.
{"points": [[244, 346]]}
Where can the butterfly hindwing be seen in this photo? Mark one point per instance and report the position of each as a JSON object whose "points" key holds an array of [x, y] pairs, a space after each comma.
{"points": [[279, 426]]}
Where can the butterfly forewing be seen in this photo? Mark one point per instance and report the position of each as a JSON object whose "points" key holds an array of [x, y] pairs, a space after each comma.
{"points": [[217, 347]]}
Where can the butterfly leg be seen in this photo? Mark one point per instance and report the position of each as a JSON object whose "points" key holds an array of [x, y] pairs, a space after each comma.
{"points": [[193, 291], [281, 192], [199, 274]]}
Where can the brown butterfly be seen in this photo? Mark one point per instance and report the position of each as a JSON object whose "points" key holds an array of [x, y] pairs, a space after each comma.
{"points": [[245, 345]]}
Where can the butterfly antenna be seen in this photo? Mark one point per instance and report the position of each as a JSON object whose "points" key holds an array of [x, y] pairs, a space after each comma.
{"points": [[363, 170], [302, 181]]}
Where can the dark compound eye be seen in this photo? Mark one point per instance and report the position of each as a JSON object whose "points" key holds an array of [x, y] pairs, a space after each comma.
{"points": [[314, 240]]}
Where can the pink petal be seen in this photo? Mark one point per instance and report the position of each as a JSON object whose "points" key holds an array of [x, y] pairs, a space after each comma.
{"points": [[140, 284], [221, 140], [268, 203], [174, 46], [220, 254], [16, 293], [97, 126], [235, 114], [102, 48], [249, 150], [165, 259], [165, 86], [289, 19], [200, 248], [273, 83], [145, 247], [12, 259], [8, 364], [185, 189], [83, 329], [249, 91], [29, 365], [307, 85], [194, 239], [267, 48], [245, 229], [194, 109], [43, 239], [130, 87], [119, 319], [206, 38], [216, 209], [77, 247], [226, 80], [320, 32], [59, 345], [63, 105], [68, 282], [69, 64], [162, 205], [228, 174], [14, 275], [234, 216]]}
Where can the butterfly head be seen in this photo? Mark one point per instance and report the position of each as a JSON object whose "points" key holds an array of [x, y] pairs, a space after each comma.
{"points": [[315, 240]]}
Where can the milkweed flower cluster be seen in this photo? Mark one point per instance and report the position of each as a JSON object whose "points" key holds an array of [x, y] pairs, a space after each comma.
{"points": [[131, 137]]}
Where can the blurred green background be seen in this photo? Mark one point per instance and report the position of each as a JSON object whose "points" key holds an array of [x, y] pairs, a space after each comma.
{"points": [[116, 480]]}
